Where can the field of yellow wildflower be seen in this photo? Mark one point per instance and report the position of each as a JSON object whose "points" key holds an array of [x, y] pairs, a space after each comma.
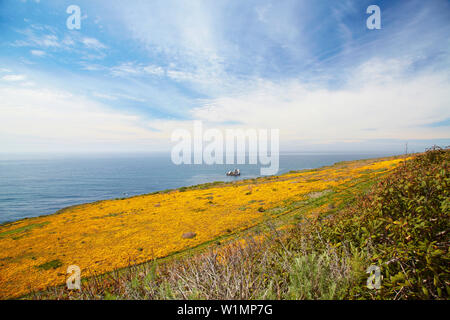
{"points": [[102, 236]]}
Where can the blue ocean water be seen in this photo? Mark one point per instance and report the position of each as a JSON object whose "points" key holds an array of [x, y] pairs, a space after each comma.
{"points": [[31, 186]]}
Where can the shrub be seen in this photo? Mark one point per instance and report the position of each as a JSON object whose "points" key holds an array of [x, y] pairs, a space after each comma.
{"points": [[404, 224], [318, 276]]}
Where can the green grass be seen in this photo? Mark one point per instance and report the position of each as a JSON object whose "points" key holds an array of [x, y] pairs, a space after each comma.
{"points": [[20, 232], [54, 264]]}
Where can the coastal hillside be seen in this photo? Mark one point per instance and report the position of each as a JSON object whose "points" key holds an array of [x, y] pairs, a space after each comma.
{"points": [[324, 218], [106, 235]]}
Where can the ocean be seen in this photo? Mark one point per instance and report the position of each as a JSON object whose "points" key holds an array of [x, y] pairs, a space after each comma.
{"points": [[33, 185]]}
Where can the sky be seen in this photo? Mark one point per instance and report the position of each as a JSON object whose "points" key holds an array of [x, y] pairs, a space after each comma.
{"points": [[138, 70]]}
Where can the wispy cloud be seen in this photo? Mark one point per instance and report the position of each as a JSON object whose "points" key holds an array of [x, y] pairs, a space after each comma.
{"points": [[117, 96], [398, 106], [44, 38], [130, 69], [42, 41], [93, 43], [310, 68], [64, 119], [38, 53], [14, 77]]}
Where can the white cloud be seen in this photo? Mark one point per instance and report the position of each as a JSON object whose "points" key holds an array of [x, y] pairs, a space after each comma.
{"points": [[48, 119], [14, 77], [38, 53], [117, 96], [382, 98], [45, 37], [370, 106], [127, 68], [92, 67], [192, 41], [156, 70], [93, 43], [104, 96], [262, 11], [68, 41], [39, 36], [388, 105], [182, 76], [133, 69], [49, 40], [129, 97]]}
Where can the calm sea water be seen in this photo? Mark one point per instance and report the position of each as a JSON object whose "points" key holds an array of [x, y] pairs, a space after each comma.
{"points": [[31, 186]]}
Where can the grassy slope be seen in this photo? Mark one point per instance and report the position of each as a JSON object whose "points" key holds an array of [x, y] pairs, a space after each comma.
{"points": [[338, 266], [400, 225], [31, 245]]}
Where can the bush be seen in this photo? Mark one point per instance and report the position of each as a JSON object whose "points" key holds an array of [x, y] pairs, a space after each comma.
{"points": [[403, 223], [319, 276]]}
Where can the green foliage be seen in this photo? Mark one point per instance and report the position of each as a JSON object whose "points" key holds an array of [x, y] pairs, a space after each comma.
{"points": [[404, 224], [315, 276], [23, 230], [109, 296], [54, 264]]}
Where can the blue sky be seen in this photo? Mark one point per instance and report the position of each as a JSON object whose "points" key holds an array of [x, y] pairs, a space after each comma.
{"points": [[137, 70]]}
